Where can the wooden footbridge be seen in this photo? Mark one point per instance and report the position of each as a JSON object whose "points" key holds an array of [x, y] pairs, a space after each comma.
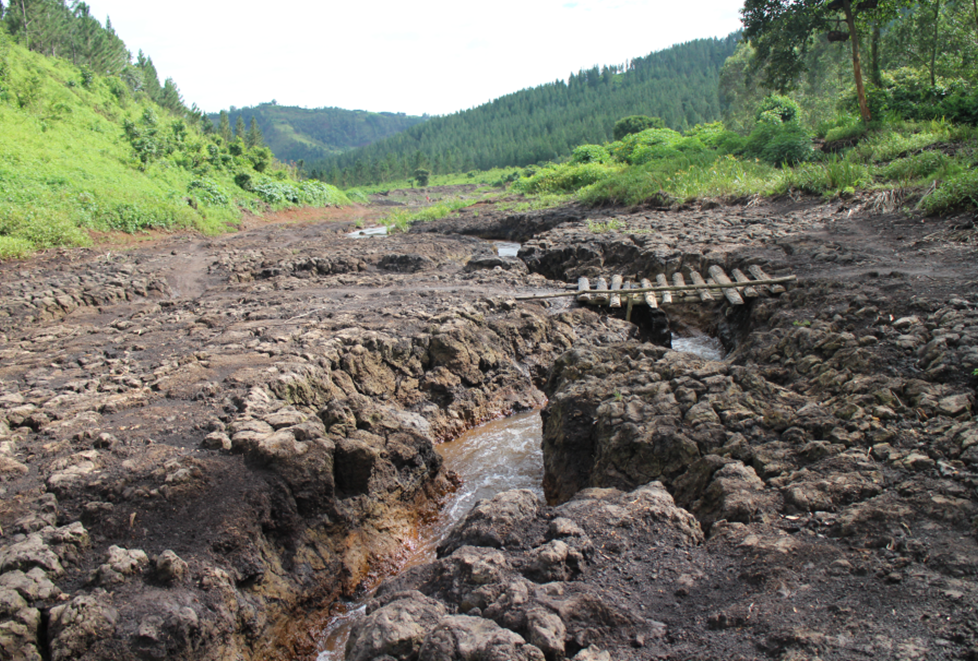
{"points": [[716, 286]]}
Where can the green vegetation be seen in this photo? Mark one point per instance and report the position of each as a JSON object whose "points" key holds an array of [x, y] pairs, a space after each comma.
{"points": [[311, 135], [678, 84], [663, 167], [810, 135], [400, 220], [94, 144]]}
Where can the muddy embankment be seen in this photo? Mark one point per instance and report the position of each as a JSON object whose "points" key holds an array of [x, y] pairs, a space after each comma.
{"points": [[208, 441], [812, 496]]}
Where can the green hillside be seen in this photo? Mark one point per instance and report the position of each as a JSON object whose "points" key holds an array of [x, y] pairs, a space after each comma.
{"points": [[678, 84], [97, 144], [299, 134]]}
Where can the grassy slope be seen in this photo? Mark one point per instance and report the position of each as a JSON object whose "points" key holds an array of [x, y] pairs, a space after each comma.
{"points": [[67, 168]]}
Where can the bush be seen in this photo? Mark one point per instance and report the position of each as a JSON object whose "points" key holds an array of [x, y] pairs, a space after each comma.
{"points": [[633, 186], [777, 142], [636, 124], [590, 154], [918, 166], [562, 178], [957, 192], [782, 106], [208, 192], [710, 134], [637, 147]]}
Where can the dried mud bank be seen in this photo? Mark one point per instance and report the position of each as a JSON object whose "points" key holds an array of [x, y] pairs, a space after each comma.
{"points": [[812, 496], [204, 443]]}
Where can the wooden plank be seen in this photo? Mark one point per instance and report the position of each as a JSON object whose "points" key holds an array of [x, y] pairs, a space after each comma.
{"points": [[583, 286], [630, 298], [601, 299], [759, 273], [616, 281], [666, 288], [697, 279], [733, 297], [649, 295], [748, 292], [662, 282]]}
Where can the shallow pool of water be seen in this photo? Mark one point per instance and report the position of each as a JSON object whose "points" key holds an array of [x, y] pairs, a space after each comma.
{"points": [[703, 346], [508, 249], [370, 231], [498, 456]]}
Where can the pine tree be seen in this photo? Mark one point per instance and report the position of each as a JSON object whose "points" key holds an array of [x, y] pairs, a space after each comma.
{"points": [[224, 127], [254, 137], [239, 128]]}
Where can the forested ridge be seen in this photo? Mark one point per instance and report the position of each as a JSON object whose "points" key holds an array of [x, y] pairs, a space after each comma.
{"points": [[310, 135], [678, 84]]}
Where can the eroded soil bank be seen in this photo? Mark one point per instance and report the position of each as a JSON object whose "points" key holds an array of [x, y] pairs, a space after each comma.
{"points": [[205, 442]]}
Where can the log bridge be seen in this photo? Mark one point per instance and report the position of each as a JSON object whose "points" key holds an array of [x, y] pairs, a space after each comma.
{"points": [[700, 290]]}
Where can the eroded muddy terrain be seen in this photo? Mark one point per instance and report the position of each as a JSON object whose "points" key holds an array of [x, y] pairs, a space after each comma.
{"points": [[206, 442]]}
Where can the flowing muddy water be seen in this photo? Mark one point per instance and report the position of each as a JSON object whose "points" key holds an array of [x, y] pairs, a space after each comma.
{"points": [[498, 456]]}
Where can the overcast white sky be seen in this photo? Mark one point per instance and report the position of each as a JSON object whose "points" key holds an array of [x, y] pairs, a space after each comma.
{"points": [[420, 56]]}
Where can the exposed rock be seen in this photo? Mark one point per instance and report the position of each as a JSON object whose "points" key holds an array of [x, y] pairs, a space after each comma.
{"points": [[75, 626], [396, 629], [464, 638]]}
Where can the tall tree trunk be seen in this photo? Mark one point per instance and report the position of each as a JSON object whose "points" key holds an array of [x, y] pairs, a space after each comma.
{"points": [[933, 50], [27, 32], [875, 74], [856, 67]]}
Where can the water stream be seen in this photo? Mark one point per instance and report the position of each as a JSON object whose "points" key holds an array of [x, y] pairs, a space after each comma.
{"points": [[498, 456]]}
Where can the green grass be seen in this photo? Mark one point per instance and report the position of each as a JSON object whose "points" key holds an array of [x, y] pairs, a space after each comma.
{"points": [[402, 219], [68, 167], [905, 155], [958, 192]]}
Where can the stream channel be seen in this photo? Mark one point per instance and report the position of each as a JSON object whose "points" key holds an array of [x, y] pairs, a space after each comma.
{"points": [[498, 456]]}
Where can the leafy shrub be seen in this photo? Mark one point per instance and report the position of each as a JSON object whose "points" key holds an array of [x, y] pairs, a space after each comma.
{"points": [[635, 124], [38, 228], [562, 178], [731, 143], [777, 142], [260, 157], [320, 194], [590, 154], [243, 180], [357, 196], [630, 148], [848, 131], [275, 192], [208, 192], [781, 106], [631, 186], [12, 247], [709, 135], [957, 192]]}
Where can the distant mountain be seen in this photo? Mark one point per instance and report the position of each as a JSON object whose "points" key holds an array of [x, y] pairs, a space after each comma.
{"points": [[295, 134], [678, 84]]}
